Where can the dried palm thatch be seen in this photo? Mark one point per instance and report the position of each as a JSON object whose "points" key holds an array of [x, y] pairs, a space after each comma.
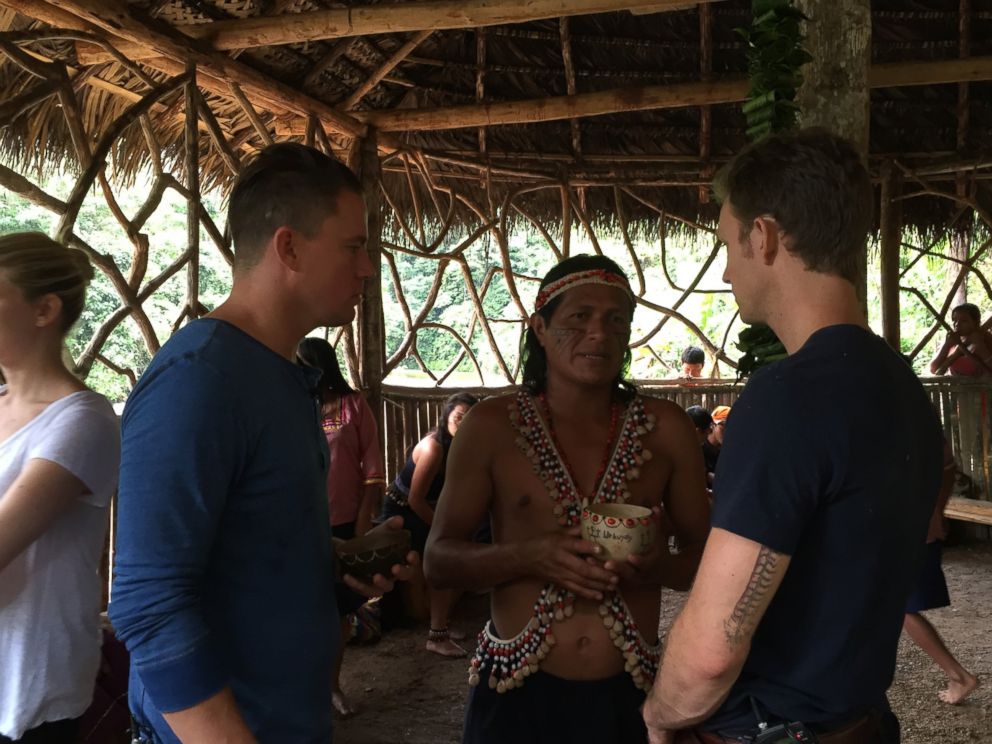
{"points": [[548, 113], [657, 151]]}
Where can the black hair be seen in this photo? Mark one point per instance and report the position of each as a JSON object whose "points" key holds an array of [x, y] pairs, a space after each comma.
{"points": [[288, 184], [441, 433], [317, 353], [700, 417], [535, 360], [969, 309], [816, 187], [693, 355]]}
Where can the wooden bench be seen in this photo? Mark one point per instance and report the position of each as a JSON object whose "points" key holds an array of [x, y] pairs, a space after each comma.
{"points": [[969, 510]]}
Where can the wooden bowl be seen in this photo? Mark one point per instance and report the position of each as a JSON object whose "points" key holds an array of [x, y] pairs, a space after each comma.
{"points": [[376, 552], [620, 529]]}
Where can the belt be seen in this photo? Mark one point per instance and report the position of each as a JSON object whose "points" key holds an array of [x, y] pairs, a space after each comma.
{"points": [[864, 730]]}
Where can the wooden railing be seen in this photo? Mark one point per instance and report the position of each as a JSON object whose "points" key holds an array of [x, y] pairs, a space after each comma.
{"points": [[963, 406]]}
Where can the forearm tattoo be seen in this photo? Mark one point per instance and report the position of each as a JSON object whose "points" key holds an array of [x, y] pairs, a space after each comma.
{"points": [[744, 619]]}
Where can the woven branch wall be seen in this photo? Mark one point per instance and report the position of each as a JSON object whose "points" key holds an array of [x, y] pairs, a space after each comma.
{"points": [[448, 233]]}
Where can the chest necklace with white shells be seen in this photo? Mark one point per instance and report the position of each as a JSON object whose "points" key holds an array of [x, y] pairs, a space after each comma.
{"points": [[511, 661]]}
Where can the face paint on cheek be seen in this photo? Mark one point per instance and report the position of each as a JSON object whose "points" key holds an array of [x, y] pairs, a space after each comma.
{"points": [[563, 337]]}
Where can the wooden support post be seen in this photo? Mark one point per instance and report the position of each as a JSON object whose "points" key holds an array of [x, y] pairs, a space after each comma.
{"points": [[371, 321], [705, 112], [891, 242], [193, 198], [960, 242]]}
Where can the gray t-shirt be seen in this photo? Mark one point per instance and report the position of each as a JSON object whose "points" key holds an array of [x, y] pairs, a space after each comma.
{"points": [[50, 593]]}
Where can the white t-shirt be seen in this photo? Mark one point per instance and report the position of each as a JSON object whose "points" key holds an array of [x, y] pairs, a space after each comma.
{"points": [[50, 593]]}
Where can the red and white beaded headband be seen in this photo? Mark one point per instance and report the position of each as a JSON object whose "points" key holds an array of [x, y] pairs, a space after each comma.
{"points": [[593, 276]]}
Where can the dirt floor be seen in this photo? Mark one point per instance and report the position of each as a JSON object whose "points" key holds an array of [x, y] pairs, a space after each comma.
{"points": [[406, 694]]}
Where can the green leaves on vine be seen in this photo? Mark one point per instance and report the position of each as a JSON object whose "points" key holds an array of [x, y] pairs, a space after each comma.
{"points": [[775, 56]]}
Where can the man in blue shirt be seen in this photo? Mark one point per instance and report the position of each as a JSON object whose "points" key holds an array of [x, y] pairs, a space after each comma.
{"points": [[224, 581], [821, 507]]}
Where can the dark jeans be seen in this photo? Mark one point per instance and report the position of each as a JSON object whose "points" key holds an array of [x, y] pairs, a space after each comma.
{"points": [[52, 732]]}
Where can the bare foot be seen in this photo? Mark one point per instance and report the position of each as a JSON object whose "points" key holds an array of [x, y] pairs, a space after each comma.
{"points": [[456, 635], [342, 705], [446, 648], [958, 691]]}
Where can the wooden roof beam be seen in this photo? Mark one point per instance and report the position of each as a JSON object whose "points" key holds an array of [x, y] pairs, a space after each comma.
{"points": [[388, 66], [388, 18], [651, 97], [115, 19]]}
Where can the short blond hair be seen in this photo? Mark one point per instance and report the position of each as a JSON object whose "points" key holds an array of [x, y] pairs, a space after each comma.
{"points": [[38, 265]]}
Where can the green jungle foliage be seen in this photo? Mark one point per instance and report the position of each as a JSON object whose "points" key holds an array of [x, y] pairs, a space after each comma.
{"points": [[713, 310]]}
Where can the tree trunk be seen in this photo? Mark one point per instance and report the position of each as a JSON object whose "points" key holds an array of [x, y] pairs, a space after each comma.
{"points": [[834, 93]]}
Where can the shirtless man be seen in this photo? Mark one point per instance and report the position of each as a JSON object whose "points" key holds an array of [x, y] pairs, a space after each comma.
{"points": [[579, 636]]}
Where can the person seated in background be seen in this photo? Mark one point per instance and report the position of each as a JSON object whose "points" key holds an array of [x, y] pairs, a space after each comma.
{"points": [[414, 496], [355, 477], [702, 420], [693, 359], [967, 350], [714, 441]]}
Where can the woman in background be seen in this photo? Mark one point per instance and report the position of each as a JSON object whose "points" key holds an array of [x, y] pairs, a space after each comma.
{"points": [[356, 476], [967, 350], [59, 457], [414, 495]]}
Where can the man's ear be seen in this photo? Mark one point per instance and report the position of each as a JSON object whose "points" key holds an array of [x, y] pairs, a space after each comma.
{"points": [[286, 244], [539, 327], [766, 239], [47, 310]]}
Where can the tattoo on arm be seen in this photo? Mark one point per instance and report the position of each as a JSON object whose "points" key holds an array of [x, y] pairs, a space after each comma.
{"points": [[744, 619]]}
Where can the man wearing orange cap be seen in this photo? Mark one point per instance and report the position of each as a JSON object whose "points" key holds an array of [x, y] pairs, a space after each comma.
{"points": [[714, 441]]}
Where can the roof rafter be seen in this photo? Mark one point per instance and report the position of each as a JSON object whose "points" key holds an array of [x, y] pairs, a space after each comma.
{"points": [[116, 19], [648, 97], [373, 80], [386, 18]]}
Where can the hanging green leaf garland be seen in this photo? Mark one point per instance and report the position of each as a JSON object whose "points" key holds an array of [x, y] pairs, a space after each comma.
{"points": [[775, 56]]}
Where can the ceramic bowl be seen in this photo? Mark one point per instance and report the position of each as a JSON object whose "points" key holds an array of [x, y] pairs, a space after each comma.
{"points": [[620, 529], [376, 552]]}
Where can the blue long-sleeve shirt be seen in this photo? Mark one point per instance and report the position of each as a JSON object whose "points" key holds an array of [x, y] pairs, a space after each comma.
{"points": [[223, 570]]}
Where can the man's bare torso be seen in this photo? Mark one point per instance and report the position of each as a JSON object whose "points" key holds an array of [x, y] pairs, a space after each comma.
{"points": [[522, 507]]}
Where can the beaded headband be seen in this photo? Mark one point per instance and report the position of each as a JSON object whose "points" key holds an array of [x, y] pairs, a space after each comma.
{"points": [[593, 276]]}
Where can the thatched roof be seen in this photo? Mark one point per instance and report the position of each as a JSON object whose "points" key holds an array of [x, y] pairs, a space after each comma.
{"points": [[934, 127]]}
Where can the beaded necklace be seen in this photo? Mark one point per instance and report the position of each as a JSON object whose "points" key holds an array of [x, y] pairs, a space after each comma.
{"points": [[512, 660], [567, 466]]}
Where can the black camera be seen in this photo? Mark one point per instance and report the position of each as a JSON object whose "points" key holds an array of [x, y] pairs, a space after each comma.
{"points": [[785, 733]]}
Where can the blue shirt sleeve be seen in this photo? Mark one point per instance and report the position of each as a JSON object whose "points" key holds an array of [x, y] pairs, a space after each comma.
{"points": [[769, 478], [182, 449]]}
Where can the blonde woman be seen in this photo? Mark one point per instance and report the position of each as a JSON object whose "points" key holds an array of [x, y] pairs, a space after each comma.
{"points": [[59, 456]]}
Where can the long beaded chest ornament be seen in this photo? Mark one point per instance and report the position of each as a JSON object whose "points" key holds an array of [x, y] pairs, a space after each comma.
{"points": [[512, 660]]}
